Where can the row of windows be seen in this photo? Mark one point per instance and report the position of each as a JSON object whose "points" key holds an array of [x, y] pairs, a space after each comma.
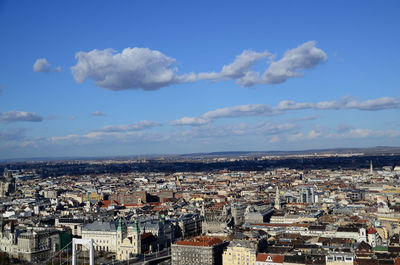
{"points": [[339, 258], [101, 241]]}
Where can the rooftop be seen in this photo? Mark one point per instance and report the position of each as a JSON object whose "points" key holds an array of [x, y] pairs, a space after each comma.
{"points": [[201, 241]]}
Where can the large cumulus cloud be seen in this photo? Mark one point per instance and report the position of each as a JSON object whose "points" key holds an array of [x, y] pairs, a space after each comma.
{"points": [[142, 68]]}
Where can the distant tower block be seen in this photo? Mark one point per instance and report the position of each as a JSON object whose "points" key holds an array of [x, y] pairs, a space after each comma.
{"points": [[277, 199], [371, 168]]}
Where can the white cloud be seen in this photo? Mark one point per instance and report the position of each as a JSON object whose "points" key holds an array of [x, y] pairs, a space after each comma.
{"points": [[294, 61], [15, 116], [241, 110], [138, 126], [94, 137], [229, 112], [98, 113], [357, 133], [133, 68], [303, 57], [383, 103], [142, 68], [274, 139], [42, 65], [190, 121], [239, 129], [314, 134]]}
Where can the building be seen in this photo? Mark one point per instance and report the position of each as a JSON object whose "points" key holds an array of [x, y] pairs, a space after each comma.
{"points": [[258, 215], [75, 225], [37, 244], [277, 199], [129, 240], [104, 235], [202, 250], [128, 243], [339, 259], [8, 238], [238, 211], [240, 252], [160, 228], [187, 225], [7, 184], [307, 195], [217, 221]]}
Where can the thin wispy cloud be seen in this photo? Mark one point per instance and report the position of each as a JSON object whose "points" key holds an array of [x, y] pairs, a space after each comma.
{"points": [[142, 68], [138, 126], [43, 66], [12, 134], [98, 114], [19, 116], [345, 103]]}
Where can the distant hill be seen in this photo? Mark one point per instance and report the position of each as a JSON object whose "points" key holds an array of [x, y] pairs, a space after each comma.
{"points": [[378, 150]]}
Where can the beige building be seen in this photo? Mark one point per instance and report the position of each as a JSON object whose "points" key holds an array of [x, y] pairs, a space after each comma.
{"points": [[129, 241], [241, 252], [339, 259], [104, 235], [114, 237]]}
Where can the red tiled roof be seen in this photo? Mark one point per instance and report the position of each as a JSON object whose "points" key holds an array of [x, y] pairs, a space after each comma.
{"points": [[106, 203], [371, 230], [129, 205], [202, 241], [275, 258]]}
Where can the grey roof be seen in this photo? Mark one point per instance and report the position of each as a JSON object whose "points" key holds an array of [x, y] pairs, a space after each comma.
{"points": [[101, 226]]}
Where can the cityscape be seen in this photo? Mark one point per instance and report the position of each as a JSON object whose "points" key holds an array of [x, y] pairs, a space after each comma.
{"points": [[199, 133]]}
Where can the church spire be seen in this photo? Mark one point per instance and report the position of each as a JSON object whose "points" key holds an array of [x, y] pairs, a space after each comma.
{"points": [[136, 228], [277, 199]]}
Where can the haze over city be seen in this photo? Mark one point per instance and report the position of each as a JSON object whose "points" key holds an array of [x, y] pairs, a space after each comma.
{"points": [[99, 78]]}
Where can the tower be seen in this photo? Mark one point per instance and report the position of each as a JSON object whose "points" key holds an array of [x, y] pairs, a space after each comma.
{"points": [[371, 168], [136, 238], [121, 231], [203, 211], [362, 235], [277, 199]]}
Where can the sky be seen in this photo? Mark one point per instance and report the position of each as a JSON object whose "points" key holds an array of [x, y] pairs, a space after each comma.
{"points": [[117, 78]]}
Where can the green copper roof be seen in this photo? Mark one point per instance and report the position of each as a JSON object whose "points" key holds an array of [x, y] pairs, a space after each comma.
{"points": [[136, 226]]}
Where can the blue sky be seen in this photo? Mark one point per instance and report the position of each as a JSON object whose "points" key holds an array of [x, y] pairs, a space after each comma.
{"points": [[98, 78]]}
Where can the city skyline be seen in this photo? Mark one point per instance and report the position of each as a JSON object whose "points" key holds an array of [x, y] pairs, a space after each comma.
{"points": [[129, 78]]}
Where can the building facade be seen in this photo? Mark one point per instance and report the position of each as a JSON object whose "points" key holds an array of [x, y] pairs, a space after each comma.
{"points": [[200, 250], [240, 252]]}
